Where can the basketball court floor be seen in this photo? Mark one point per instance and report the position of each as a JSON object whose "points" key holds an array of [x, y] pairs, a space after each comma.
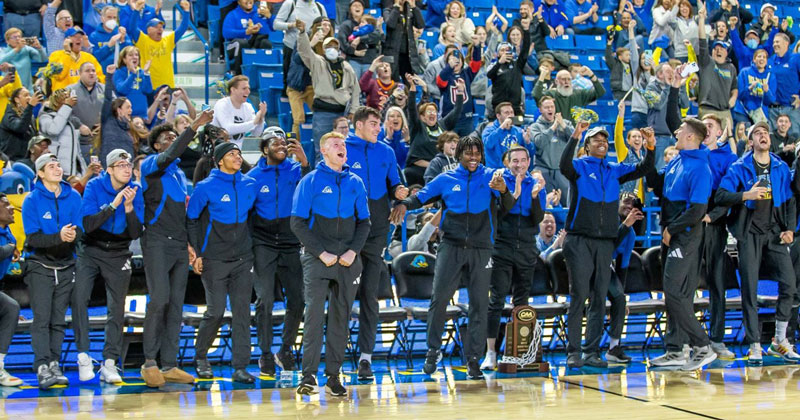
{"points": [[729, 389]]}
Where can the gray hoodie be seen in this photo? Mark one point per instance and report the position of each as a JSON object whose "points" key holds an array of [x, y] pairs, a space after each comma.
{"points": [[549, 144]]}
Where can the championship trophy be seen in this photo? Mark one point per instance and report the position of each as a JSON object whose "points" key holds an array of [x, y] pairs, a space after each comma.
{"points": [[523, 335]]}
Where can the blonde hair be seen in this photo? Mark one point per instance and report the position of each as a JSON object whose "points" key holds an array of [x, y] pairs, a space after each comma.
{"points": [[124, 54], [399, 111], [12, 31], [456, 3], [330, 135]]}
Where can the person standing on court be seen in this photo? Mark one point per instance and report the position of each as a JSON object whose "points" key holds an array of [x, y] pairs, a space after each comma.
{"points": [[592, 224], [469, 196], [763, 219], [515, 254], [375, 163], [330, 216], [684, 187], [9, 308], [218, 229], [165, 250], [52, 223], [276, 249], [112, 213]]}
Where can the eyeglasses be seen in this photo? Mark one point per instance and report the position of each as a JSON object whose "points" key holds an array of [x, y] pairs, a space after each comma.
{"points": [[430, 112], [122, 166], [65, 18]]}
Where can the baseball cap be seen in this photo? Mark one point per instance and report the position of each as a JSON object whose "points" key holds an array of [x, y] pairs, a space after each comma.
{"points": [[329, 39], [44, 159], [722, 44], [765, 5], [751, 31], [38, 139], [595, 131], [753, 129], [154, 22], [75, 30], [117, 155]]}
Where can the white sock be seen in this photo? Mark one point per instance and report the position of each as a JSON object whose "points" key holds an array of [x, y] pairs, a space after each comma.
{"points": [[780, 330], [491, 354], [613, 343], [109, 363], [2, 360], [366, 356]]}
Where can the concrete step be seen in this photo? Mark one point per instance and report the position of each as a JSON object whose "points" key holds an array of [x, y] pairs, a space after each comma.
{"points": [[216, 70]]}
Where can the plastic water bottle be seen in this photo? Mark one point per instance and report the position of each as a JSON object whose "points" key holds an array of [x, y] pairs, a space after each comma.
{"points": [[290, 378]]}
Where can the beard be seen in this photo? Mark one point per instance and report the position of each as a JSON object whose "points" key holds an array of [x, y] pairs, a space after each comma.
{"points": [[565, 91]]}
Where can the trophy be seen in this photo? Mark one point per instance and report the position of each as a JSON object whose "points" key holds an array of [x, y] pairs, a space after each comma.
{"points": [[523, 335]]}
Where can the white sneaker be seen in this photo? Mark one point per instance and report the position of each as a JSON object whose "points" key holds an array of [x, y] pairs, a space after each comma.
{"points": [[700, 357], [722, 351], [687, 351], [109, 373], [85, 368], [670, 358], [7, 380], [754, 355], [783, 350], [490, 361]]}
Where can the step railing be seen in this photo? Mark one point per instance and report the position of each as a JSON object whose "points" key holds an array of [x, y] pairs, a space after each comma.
{"points": [[202, 39]]}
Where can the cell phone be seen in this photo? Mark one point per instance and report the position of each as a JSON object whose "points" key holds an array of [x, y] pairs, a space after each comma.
{"points": [[763, 183], [388, 59], [30, 40], [262, 5], [421, 43], [690, 68], [12, 69], [94, 159]]}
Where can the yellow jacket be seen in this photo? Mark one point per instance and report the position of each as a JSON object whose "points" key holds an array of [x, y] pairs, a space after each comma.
{"points": [[71, 72], [5, 94]]}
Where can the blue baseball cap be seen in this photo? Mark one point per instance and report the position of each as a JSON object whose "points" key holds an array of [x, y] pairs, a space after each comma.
{"points": [[154, 22], [73, 31], [722, 44]]}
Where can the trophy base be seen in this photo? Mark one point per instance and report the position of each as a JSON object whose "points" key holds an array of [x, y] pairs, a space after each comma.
{"points": [[532, 367]]}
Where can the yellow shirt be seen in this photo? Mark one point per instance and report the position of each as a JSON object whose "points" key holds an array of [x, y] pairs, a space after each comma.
{"points": [[161, 53], [71, 72], [5, 93]]}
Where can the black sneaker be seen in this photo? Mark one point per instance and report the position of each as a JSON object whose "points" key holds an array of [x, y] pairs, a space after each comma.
{"points": [[45, 377], [334, 387], [242, 376], [203, 369], [308, 386], [266, 364], [616, 355], [594, 360], [365, 371], [432, 359], [56, 370], [574, 361], [474, 369], [285, 360]]}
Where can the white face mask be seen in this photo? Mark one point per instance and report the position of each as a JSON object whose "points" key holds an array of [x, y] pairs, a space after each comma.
{"points": [[122, 2], [110, 24], [331, 54]]}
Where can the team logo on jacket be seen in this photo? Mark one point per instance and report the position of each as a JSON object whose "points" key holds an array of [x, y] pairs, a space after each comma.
{"points": [[265, 189], [456, 187], [356, 165], [47, 216], [593, 176], [327, 190], [225, 198]]}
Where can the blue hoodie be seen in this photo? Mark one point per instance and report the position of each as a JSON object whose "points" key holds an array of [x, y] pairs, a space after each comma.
{"points": [[521, 225], [686, 190], [216, 217], [398, 145], [330, 211], [135, 87], [469, 205], [107, 228], [787, 70], [275, 186], [7, 246], [376, 165], [43, 216], [235, 24], [555, 15], [744, 54], [101, 50], [497, 141], [750, 100]]}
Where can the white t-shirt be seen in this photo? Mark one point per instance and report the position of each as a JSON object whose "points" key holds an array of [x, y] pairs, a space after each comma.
{"points": [[237, 122]]}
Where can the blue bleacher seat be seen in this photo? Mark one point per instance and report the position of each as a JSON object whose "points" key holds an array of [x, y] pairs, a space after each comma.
{"points": [[276, 38], [794, 12], [253, 56], [478, 17], [606, 110], [590, 42], [605, 21], [481, 4], [595, 63], [527, 84], [562, 43], [431, 37], [530, 106], [215, 38], [270, 79]]}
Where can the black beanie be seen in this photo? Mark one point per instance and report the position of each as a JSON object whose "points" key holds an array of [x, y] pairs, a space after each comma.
{"points": [[222, 149]]}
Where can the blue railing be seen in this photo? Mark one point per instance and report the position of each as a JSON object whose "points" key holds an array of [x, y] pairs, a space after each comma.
{"points": [[207, 51]]}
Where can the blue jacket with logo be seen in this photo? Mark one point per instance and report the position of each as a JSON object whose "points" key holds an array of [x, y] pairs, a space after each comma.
{"points": [[520, 225], [740, 178], [719, 160], [275, 186], [469, 205], [7, 246], [101, 50], [216, 218], [330, 211], [497, 141], [594, 191], [626, 239], [43, 216], [787, 70], [376, 165], [164, 191], [107, 228], [685, 188]]}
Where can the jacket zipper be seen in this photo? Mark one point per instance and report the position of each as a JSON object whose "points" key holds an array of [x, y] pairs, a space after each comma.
{"points": [[338, 203], [236, 206], [277, 175], [466, 239], [602, 199], [366, 162]]}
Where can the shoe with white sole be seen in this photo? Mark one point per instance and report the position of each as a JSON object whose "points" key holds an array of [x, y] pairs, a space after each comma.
{"points": [[490, 361], [701, 356], [6, 379], [670, 358], [754, 355], [722, 351], [783, 350], [85, 368], [109, 373]]}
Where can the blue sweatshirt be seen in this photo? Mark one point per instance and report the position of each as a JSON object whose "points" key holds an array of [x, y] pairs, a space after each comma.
{"points": [[7, 246], [135, 87], [496, 141], [686, 190], [149, 12], [398, 144], [750, 100], [275, 186], [555, 15], [101, 50], [573, 9], [446, 81], [520, 226], [235, 24], [744, 54], [376, 165], [216, 217], [787, 70], [105, 227], [330, 211], [43, 216]]}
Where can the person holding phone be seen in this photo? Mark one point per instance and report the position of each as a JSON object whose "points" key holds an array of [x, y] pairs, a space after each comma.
{"points": [[20, 54], [58, 122], [758, 187], [377, 82]]}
